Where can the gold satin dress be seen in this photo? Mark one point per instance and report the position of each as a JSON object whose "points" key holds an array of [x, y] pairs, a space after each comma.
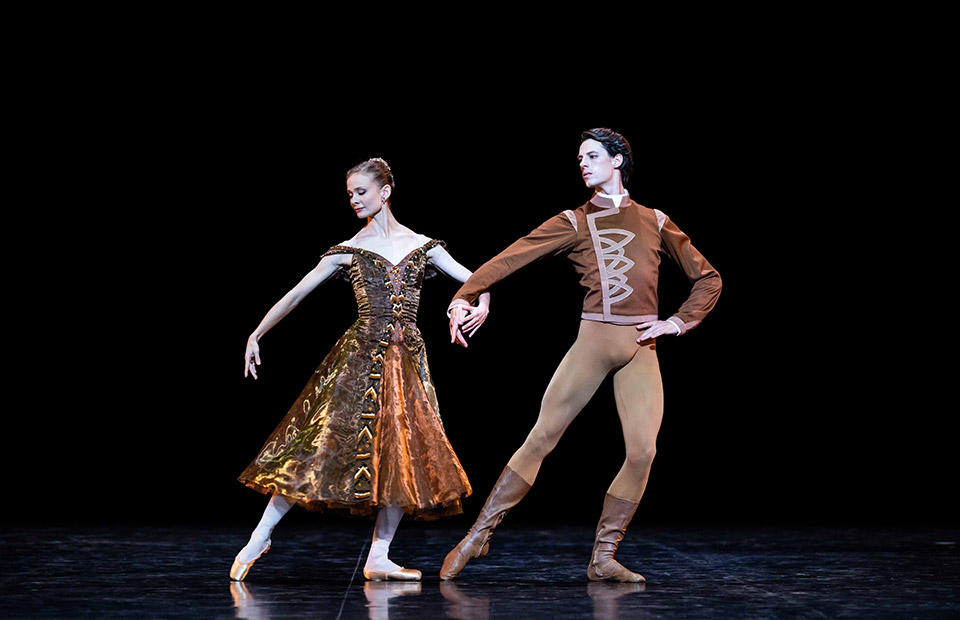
{"points": [[366, 430]]}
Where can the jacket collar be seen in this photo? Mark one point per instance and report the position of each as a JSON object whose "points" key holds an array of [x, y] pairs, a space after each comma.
{"points": [[604, 201]]}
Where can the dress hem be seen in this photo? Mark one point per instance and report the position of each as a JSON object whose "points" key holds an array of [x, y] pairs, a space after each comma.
{"points": [[443, 509]]}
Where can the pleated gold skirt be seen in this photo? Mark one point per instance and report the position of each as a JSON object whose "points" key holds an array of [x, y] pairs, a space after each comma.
{"points": [[365, 433]]}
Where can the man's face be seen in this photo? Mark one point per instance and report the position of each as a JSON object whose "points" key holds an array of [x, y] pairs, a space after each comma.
{"points": [[596, 165]]}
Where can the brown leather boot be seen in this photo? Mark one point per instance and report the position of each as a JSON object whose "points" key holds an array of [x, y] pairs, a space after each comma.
{"points": [[509, 489], [613, 523]]}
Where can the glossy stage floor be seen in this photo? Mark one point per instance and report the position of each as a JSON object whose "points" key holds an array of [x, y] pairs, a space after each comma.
{"points": [[170, 572]]}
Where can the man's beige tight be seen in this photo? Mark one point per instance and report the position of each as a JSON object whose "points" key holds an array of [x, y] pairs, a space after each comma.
{"points": [[599, 349]]}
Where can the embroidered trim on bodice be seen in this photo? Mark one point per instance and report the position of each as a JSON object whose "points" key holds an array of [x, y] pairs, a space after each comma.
{"points": [[395, 279]]}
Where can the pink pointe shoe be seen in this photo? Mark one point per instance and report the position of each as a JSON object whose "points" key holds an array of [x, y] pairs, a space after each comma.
{"points": [[398, 574], [240, 569]]}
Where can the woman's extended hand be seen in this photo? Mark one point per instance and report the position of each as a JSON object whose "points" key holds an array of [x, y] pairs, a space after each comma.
{"points": [[457, 314], [251, 359], [658, 328]]}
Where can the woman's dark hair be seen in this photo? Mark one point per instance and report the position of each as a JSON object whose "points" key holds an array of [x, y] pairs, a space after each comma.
{"points": [[614, 144], [377, 168]]}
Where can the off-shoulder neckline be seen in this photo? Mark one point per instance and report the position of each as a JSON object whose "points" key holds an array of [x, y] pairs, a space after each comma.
{"points": [[384, 259]]}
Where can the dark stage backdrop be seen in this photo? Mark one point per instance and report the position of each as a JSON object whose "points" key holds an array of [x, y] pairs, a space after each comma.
{"points": [[796, 401]]}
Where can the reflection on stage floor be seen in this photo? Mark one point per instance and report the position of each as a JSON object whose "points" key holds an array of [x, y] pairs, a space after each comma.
{"points": [[314, 571]]}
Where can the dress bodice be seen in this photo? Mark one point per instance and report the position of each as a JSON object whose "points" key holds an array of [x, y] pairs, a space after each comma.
{"points": [[384, 291]]}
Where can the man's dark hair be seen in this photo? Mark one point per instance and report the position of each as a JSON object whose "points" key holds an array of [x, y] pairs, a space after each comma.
{"points": [[614, 144]]}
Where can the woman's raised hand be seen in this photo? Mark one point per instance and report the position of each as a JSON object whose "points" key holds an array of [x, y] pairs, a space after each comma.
{"points": [[251, 359]]}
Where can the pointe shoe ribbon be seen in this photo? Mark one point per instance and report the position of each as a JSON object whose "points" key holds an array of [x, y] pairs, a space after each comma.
{"points": [[509, 489], [240, 569], [398, 574], [614, 520]]}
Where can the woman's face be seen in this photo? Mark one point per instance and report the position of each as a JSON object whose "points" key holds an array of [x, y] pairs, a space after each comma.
{"points": [[366, 197], [596, 165]]}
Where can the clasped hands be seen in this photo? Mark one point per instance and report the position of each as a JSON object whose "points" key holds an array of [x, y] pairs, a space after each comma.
{"points": [[466, 318]]}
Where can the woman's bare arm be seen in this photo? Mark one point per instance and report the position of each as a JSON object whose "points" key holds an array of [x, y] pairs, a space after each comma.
{"points": [[327, 266], [474, 316]]}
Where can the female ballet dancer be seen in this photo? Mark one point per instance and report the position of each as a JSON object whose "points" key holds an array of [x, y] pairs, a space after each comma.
{"points": [[615, 245], [365, 435]]}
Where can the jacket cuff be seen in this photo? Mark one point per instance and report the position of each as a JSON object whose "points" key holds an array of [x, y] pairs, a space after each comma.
{"points": [[679, 324], [456, 302]]}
